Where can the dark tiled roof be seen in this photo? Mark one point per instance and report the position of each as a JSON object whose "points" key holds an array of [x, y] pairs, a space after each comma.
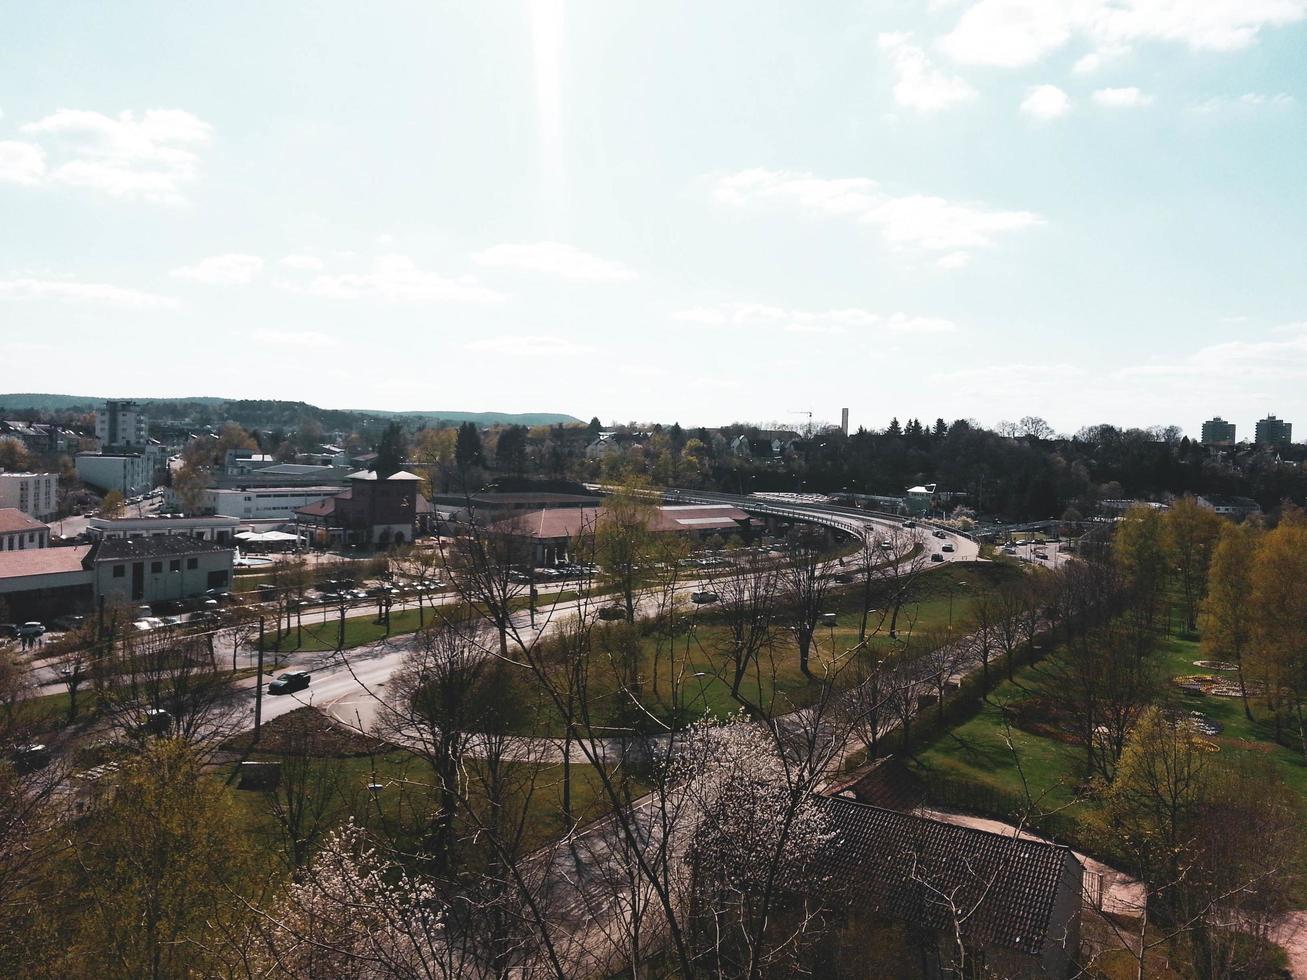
{"points": [[164, 546], [913, 868]]}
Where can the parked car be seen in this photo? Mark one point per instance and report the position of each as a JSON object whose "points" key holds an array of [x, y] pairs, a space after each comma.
{"points": [[612, 613], [1042, 555], [69, 622], [703, 598], [31, 630], [938, 534], [30, 757], [8, 631], [290, 682], [909, 523], [844, 578]]}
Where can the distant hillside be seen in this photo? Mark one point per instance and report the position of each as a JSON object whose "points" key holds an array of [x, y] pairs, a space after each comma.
{"points": [[271, 413]]}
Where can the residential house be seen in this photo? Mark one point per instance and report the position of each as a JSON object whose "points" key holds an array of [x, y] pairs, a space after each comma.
{"points": [[1227, 505], [19, 532], [1015, 901]]}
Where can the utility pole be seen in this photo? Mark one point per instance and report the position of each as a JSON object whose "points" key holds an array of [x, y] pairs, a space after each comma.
{"points": [[258, 686]]}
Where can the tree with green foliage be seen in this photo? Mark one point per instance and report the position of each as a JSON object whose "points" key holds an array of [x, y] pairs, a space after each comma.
{"points": [[1191, 532], [467, 447], [390, 452], [510, 449], [162, 861], [1228, 616], [1139, 548]]}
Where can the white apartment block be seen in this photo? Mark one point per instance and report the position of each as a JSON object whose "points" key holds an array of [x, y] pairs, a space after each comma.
{"points": [[35, 494], [128, 473], [122, 425]]}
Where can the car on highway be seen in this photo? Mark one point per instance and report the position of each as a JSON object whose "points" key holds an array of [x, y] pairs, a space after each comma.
{"points": [[946, 547], [290, 682], [909, 523], [610, 613], [703, 598], [938, 534], [937, 557]]}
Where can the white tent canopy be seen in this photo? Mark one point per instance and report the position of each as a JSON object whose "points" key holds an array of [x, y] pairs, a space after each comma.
{"points": [[266, 537]]}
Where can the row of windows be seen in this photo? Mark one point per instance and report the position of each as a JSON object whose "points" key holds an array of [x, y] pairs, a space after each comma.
{"points": [[156, 567]]}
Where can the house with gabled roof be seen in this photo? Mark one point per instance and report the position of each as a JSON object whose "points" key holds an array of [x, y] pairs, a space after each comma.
{"points": [[1015, 900]]}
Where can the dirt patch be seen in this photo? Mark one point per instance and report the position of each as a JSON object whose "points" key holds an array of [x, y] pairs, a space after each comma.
{"points": [[309, 727]]}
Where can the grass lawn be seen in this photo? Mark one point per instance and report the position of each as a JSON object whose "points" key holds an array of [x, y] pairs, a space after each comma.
{"points": [[975, 754], [682, 677], [407, 796]]}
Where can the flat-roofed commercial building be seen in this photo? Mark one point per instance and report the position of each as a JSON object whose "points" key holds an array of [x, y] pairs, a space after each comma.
{"points": [[41, 583], [128, 473], [212, 528], [265, 503]]}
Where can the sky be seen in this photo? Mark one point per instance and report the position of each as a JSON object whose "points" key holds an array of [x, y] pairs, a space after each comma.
{"points": [[1086, 210]]}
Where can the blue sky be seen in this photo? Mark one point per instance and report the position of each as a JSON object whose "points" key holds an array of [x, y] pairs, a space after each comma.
{"points": [[1088, 210]]}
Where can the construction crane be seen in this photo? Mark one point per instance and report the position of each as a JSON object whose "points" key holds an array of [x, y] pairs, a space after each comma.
{"points": [[807, 412]]}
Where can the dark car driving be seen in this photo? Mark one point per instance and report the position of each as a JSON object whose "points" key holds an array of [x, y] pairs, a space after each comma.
{"points": [[289, 683]]}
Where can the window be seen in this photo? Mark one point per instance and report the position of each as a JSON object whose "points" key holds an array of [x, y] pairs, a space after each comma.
{"points": [[192, 564], [175, 565], [218, 579], [156, 567], [119, 571]]}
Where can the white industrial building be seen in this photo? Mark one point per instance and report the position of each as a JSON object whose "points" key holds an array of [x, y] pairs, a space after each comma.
{"points": [[35, 494], [128, 473], [265, 503]]}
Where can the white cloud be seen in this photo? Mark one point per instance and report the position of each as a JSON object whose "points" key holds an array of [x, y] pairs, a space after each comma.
{"points": [[909, 222], [756, 316], [528, 346], [1236, 362], [231, 269], [152, 157], [1093, 61], [21, 163], [308, 263], [1249, 100], [1122, 98], [1046, 102], [555, 259], [294, 338], [73, 291], [397, 279], [1016, 33], [919, 84], [954, 260]]}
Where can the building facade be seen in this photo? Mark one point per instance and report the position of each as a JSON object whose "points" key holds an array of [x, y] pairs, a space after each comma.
{"points": [[1218, 432], [373, 510], [35, 494], [128, 473], [19, 532], [121, 424], [1273, 432], [216, 528], [264, 503], [149, 570]]}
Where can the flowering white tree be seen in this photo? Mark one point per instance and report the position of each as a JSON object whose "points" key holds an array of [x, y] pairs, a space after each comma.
{"points": [[355, 914], [750, 832]]}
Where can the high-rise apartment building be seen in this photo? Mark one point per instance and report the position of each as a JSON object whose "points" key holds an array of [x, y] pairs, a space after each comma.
{"points": [[122, 424], [1218, 432], [1274, 432]]}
